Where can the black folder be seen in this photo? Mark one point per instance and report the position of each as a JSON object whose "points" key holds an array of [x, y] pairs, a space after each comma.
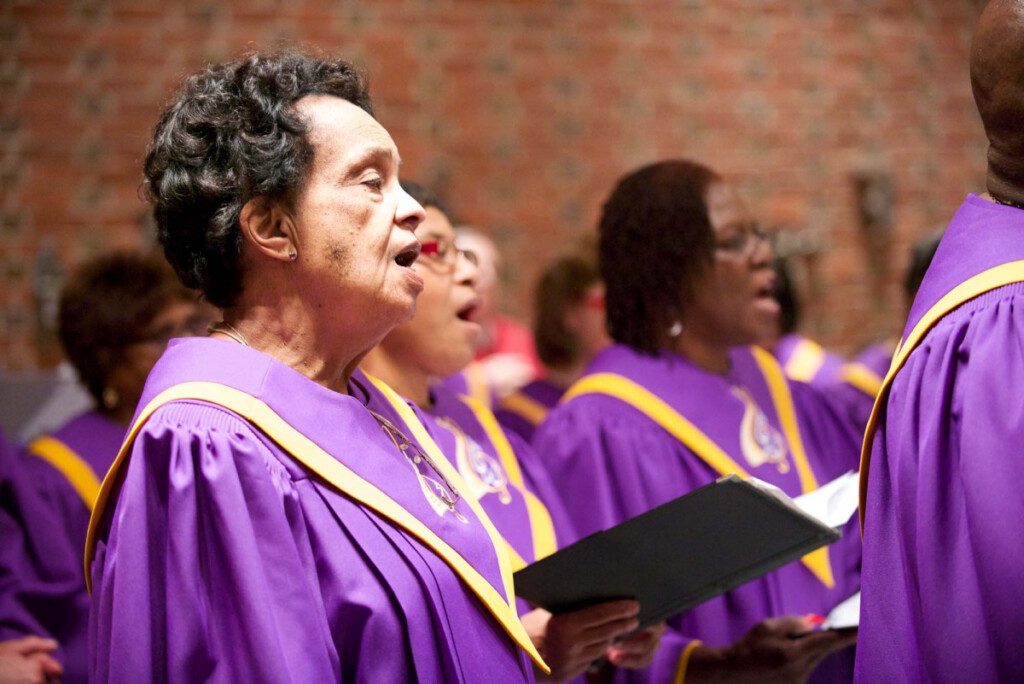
{"points": [[677, 555]]}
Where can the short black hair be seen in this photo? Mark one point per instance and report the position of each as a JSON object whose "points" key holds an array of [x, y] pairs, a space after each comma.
{"points": [[655, 241], [230, 135], [106, 305], [564, 283]]}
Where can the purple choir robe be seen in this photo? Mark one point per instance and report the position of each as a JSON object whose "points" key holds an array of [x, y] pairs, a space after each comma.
{"points": [[93, 438], [943, 599], [472, 382], [498, 470], [255, 568], [526, 408], [612, 463], [41, 580], [850, 385], [876, 358], [807, 361]]}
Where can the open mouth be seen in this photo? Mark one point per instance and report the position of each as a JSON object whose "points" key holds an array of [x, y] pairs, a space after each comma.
{"points": [[466, 312], [407, 257]]}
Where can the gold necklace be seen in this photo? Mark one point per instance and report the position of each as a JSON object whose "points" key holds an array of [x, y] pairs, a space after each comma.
{"points": [[228, 330]]}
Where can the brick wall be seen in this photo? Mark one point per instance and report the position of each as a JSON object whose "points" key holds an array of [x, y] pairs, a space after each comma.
{"points": [[522, 114]]}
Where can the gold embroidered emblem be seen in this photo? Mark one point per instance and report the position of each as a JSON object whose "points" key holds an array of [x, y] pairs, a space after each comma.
{"points": [[482, 473], [760, 442]]}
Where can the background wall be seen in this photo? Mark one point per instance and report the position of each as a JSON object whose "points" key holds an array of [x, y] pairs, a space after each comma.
{"points": [[523, 114]]}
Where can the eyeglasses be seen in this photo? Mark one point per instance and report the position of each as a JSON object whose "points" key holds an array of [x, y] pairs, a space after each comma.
{"points": [[744, 242], [442, 251], [190, 327], [443, 488]]}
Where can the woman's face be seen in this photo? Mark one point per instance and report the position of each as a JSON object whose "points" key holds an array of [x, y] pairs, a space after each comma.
{"points": [[181, 318], [440, 339], [354, 226], [733, 303]]}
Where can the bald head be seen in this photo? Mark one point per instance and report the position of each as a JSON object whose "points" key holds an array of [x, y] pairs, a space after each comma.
{"points": [[997, 78]]}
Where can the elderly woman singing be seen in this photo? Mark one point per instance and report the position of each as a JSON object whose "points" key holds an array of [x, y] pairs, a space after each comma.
{"points": [[259, 524]]}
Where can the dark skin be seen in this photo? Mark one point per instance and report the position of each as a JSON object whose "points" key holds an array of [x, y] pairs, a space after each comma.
{"points": [[997, 79]]}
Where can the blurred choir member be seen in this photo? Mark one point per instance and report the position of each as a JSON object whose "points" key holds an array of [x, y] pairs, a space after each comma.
{"points": [[505, 357], [941, 501], [681, 399], [495, 468], [568, 330], [35, 581], [116, 315]]}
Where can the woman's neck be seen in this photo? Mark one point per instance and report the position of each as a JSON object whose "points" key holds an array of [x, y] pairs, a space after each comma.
{"points": [[295, 340], [712, 357], [407, 379]]}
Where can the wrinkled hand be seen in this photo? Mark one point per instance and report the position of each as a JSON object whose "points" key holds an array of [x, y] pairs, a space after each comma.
{"points": [[637, 650], [569, 642], [769, 653], [28, 661]]}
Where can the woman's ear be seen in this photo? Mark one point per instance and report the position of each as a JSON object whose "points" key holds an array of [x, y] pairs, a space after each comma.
{"points": [[269, 228]]}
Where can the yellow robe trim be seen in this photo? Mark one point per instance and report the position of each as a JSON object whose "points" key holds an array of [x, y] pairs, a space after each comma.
{"points": [[72, 466], [703, 446], [306, 452], [817, 561], [805, 361], [541, 527], [986, 281], [860, 376], [684, 661], [476, 383], [528, 408]]}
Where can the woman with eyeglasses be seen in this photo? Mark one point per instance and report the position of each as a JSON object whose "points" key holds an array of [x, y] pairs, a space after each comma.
{"points": [[116, 315], [681, 399], [495, 468]]}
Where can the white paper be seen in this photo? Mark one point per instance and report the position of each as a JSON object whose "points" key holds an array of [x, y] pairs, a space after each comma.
{"points": [[846, 614], [833, 503]]}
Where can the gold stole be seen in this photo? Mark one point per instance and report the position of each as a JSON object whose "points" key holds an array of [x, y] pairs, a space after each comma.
{"points": [[72, 466], [990, 279], [541, 527], [704, 447], [527, 408], [476, 383], [307, 453], [806, 360]]}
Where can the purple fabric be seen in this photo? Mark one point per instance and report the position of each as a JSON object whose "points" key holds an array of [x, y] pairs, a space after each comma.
{"points": [[876, 357], [254, 569], [942, 599], [826, 375], [96, 439], [850, 400], [459, 383], [542, 392], [612, 463], [484, 473], [41, 582]]}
